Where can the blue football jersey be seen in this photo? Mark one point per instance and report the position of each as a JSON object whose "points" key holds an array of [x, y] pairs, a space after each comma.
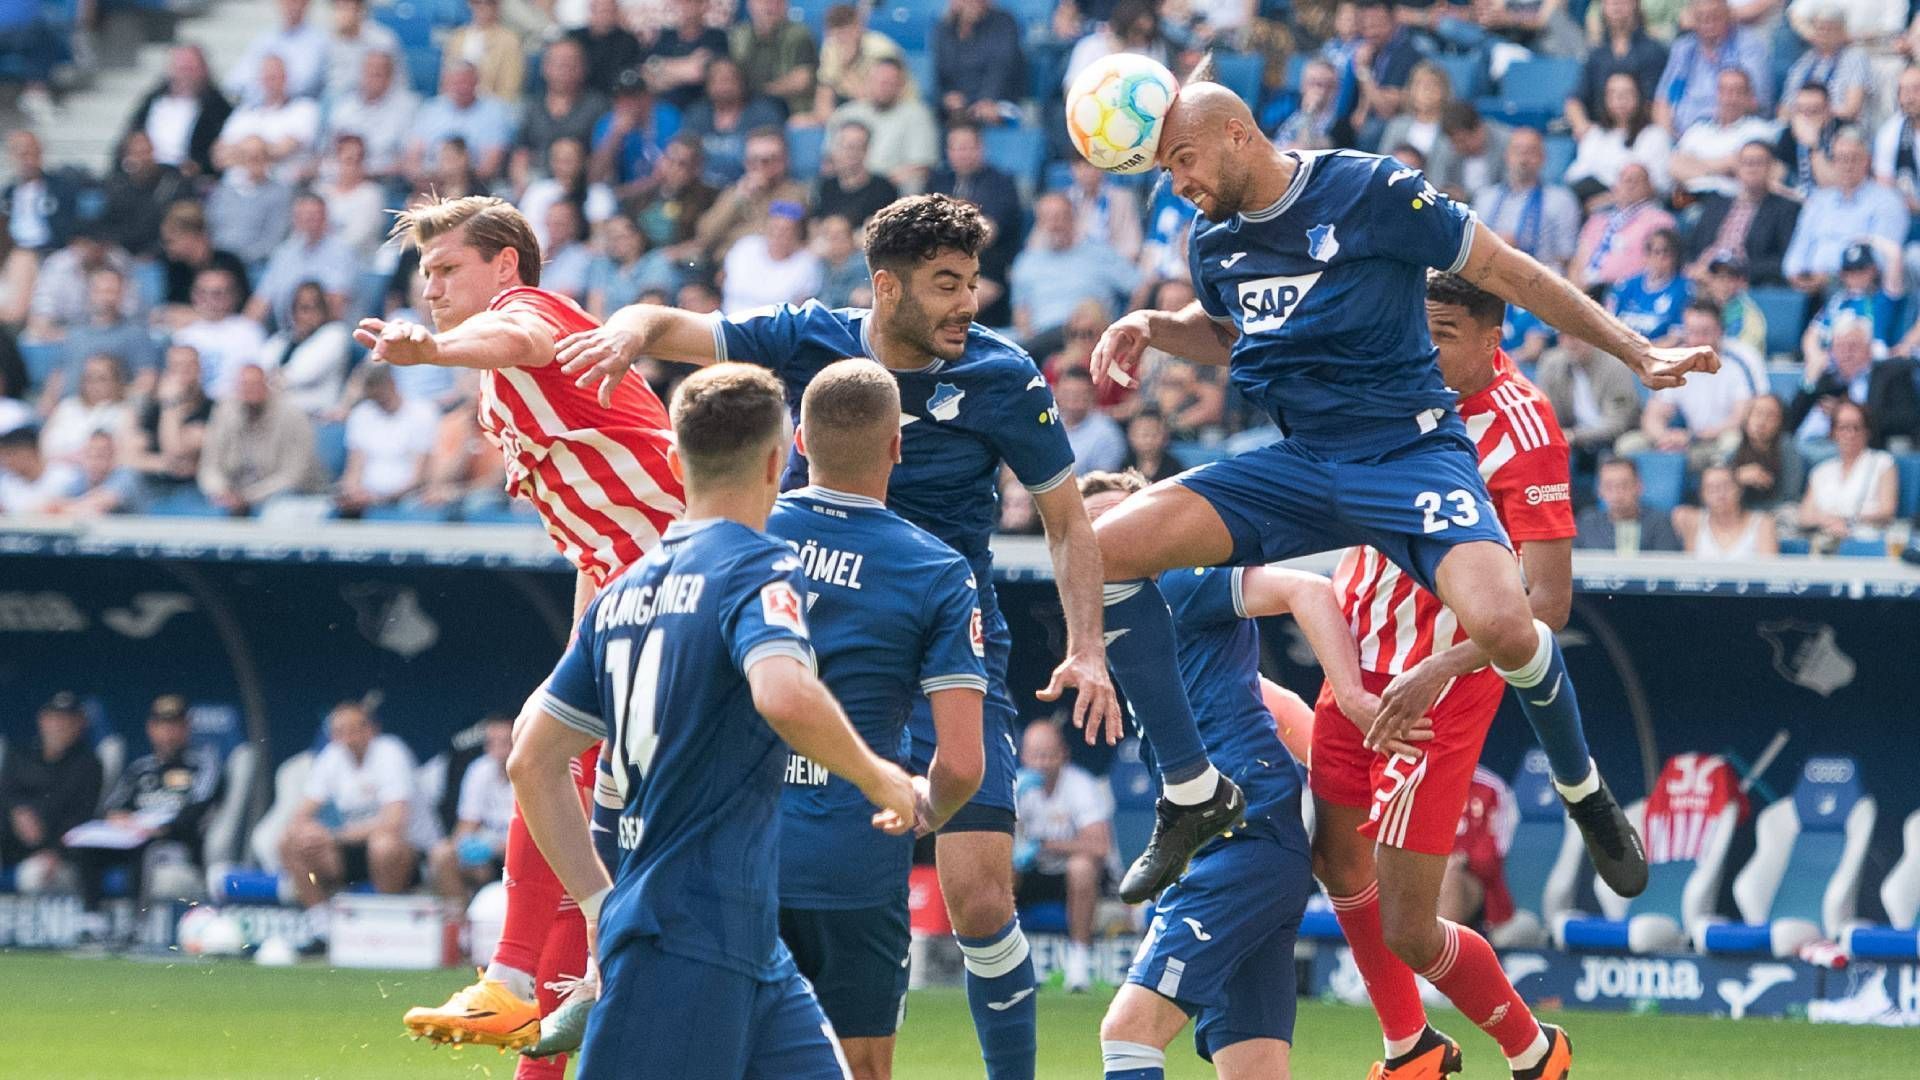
{"points": [[959, 420], [893, 611], [658, 668], [1328, 290], [1652, 311], [1219, 654]]}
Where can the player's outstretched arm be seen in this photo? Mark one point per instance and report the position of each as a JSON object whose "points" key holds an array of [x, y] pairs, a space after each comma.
{"points": [[602, 356], [1514, 276], [801, 710], [1077, 571], [491, 339], [960, 760], [1310, 599], [1189, 333], [543, 751]]}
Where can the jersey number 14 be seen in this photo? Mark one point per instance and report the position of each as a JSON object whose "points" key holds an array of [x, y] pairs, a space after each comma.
{"points": [[635, 693]]}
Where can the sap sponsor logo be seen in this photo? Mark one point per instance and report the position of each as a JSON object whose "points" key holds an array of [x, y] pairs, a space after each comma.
{"points": [[1546, 493], [41, 613], [1638, 979], [1760, 979], [1808, 654], [1266, 303]]}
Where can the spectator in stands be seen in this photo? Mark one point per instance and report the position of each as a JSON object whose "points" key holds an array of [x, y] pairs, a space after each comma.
{"points": [[677, 60], [1317, 122], [453, 174], [1429, 91], [1895, 161], [1861, 292], [1477, 148], [1702, 418], [568, 257], [483, 123], [224, 339], [628, 140], [743, 208], [1473, 885], [1018, 516], [388, 438], [44, 792], [379, 112], [567, 109], [1689, 91], [164, 430], [1102, 207], [845, 279], [498, 58], [1853, 368], [1805, 146], [188, 249], [311, 352], [465, 472], [904, 146], [165, 795], [1620, 523], [107, 330], [288, 126], [1063, 842], [1838, 214], [62, 293], [470, 858], [18, 268], [772, 266], [353, 39], [1752, 227], [1721, 528], [776, 55], [1622, 47], [355, 204], [1706, 155], [1725, 283], [300, 42], [846, 187], [1624, 131], [979, 67], [1596, 399], [1767, 465], [848, 51], [1132, 26], [1540, 219], [138, 192], [1853, 494], [29, 484], [351, 824], [625, 269], [1060, 268], [184, 114], [257, 446], [1098, 443], [724, 119], [1071, 346], [1832, 63], [699, 297], [1382, 64], [249, 212], [609, 47], [1147, 449], [566, 180], [1653, 300], [310, 253], [968, 175], [669, 202], [98, 404], [40, 207], [1613, 244]]}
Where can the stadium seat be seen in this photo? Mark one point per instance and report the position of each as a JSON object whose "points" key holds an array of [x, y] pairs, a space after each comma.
{"points": [[411, 22], [41, 358], [187, 502], [1665, 478], [1033, 15], [1533, 92], [1801, 883], [1794, 545], [1784, 383], [920, 66], [908, 22], [811, 12], [1854, 548], [330, 446], [1908, 466], [1688, 824], [1466, 73], [1241, 73], [1899, 940], [1786, 313], [408, 511], [423, 70], [1560, 153], [1134, 793], [1543, 861], [805, 146], [1021, 151]]}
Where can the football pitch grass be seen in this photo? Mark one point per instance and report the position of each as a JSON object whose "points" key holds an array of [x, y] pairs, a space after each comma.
{"points": [[131, 1020]]}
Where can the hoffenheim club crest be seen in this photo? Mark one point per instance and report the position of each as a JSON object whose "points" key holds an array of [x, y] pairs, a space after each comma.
{"points": [[1321, 243]]}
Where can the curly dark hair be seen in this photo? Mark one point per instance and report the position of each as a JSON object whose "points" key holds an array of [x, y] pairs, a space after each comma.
{"points": [[1452, 289], [917, 228]]}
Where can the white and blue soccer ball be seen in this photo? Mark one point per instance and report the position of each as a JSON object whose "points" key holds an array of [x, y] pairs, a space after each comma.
{"points": [[1116, 110]]}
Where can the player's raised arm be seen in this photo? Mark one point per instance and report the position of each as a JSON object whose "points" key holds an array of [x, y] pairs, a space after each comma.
{"points": [[488, 340], [802, 711], [1189, 333], [1077, 571], [604, 355]]}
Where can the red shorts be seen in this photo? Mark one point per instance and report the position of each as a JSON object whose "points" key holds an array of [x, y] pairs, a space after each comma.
{"points": [[1414, 803], [585, 767]]}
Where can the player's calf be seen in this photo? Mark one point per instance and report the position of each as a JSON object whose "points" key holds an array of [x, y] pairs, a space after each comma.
{"points": [[1135, 1032]]}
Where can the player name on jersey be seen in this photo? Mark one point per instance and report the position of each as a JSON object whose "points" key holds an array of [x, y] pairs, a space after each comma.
{"points": [[805, 771], [677, 594], [830, 565]]}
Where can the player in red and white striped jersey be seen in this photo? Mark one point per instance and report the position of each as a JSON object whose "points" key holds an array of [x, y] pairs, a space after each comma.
{"points": [[1476, 884], [597, 472], [1412, 651]]}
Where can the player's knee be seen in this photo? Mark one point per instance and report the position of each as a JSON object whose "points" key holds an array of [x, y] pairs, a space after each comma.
{"points": [[980, 908], [1345, 868], [1509, 637]]}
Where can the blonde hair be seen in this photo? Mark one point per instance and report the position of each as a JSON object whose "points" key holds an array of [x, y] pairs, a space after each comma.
{"points": [[848, 416], [489, 226]]}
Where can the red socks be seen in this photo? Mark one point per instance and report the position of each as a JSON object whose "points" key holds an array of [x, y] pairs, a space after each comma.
{"points": [[1469, 973], [1396, 997], [533, 895]]}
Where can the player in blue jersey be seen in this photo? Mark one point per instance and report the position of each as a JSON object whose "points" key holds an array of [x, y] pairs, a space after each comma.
{"points": [[971, 403], [695, 666], [894, 612], [1220, 948], [1310, 272]]}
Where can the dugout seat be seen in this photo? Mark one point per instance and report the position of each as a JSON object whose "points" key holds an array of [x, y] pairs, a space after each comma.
{"points": [[226, 825], [289, 781], [1544, 861], [1899, 939], [1801, 884], [1134, 793], [1696, 805]]}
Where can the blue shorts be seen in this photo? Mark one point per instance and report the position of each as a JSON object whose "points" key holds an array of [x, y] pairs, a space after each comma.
{"points": [[1413, 502], [997, 718], [1221, 943], [856, 959], [673, 1018]]}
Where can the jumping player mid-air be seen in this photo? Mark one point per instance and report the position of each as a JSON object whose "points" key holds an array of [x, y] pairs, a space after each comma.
{"points": [[596, 471], [1384, 824], [696, 668], [971, 402], [1220, 947], [1310, 270]]}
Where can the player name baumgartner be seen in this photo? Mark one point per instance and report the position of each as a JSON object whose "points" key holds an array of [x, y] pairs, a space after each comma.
{"points": [[676, 594], [829, 565]]}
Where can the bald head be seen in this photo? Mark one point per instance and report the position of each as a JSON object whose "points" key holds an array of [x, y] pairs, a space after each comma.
{"points": [[850, 426], [1213, 148], [1203, 107]]}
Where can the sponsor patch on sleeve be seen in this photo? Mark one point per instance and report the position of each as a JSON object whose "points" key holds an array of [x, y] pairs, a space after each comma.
{"points": [[978, 634], [780, 606]]}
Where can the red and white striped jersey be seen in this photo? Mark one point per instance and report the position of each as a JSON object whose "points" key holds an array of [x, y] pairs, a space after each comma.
{"points": [[599, 477], [1523, 459]]}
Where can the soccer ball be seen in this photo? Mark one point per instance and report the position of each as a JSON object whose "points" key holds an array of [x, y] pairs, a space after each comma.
{"points": [[1115, 111]]}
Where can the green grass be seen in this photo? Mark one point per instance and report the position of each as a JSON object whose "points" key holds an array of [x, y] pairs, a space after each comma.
{"points": [[131, 1020]]}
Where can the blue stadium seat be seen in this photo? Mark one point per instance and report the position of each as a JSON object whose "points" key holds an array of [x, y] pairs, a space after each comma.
{"points": [[1861, 549], [1560, 153], [1900, 896], [1241, 73], [1794, 545], [409, 511], [1467, 74], [1033, 15], [423, 70], [1533, 92], [909, 22], [811, 12], [1804, 877], [1134, 793], [330, 445], [1908, 466], [1021, 151], [1665, 478], [1786, 313], [187, 502], [1192, 454], [1544, 860], [920, 66], [1784, 382], [805, 146], [41, 358], [411, 22]]}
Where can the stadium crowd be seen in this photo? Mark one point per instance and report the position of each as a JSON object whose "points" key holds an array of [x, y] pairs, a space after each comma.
{"points": [[174, 331]]}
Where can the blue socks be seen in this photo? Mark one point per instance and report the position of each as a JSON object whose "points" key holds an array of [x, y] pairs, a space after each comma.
{"points": [[1547, 698], [1132, 1061], [1000, 993], [1140, 650]]}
